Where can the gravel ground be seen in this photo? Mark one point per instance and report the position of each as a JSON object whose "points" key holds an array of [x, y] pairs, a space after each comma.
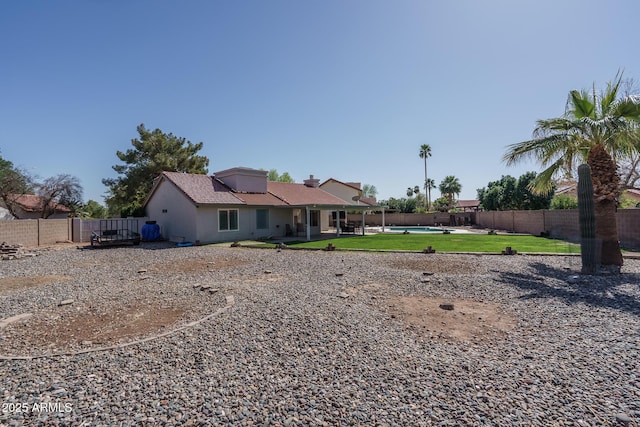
{"points": [[157, 335]]}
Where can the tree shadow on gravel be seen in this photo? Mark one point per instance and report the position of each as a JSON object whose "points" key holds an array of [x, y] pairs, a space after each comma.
{"points": [[597, 291]]}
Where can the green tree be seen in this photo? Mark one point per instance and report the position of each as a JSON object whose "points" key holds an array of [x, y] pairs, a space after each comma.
{"points": [[509, 194], [564, 201], [153, 153], [597, 126], [425, 152], [441, 204], [449, 187], [93, 209], [526, 199], [273, 175], [369, 190], [13, 183]]}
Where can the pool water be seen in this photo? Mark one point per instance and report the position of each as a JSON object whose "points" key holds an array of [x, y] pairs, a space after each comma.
{"points": [[416, 229]]}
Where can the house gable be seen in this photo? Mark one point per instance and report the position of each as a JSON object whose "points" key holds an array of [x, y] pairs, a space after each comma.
{"points": [[198, 188], [349, 192]]}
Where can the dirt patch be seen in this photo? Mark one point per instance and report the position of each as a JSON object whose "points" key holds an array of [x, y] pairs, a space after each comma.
{"points": [[459, 319], [197, 264], [87, 327], [439, 265], [9, 284]]}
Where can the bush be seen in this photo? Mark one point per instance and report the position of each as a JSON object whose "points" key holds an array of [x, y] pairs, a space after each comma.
{"points": [[564, 201]]}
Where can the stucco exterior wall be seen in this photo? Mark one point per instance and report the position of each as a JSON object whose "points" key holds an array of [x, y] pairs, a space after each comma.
{"points": [[244, 179], [340, 190], [207, 223], [173, 212]]}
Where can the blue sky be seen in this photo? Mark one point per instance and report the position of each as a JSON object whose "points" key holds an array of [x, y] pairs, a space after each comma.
{"points": [[339, 89]]}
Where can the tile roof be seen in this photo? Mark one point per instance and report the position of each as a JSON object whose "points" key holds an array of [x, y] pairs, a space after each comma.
{"points": [[205, 189], [32, 203], [300, 194], [468, 203], [354, 185], [202, 189], [253, 199]]}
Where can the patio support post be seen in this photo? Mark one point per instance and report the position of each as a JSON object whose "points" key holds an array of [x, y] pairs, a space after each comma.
{"points": [[338, 223], [363, 222], [383, 220], [308, 224]]}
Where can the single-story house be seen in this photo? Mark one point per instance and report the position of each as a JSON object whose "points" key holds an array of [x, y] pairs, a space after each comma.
{"points": [[239, 204], [29, 206]]}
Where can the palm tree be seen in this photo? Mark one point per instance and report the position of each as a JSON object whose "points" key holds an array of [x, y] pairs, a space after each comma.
{"points": [[430, 184], [369, 190], [409, 191], [425, 151], [596, 127], [449, 186]]}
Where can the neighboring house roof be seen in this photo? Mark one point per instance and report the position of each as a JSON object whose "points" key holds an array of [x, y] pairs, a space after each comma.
{"points": [[354, 185], [468, 204], [633, 193], [33, 203], [571, 189]]}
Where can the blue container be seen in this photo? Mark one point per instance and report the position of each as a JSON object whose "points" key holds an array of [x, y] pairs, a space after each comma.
{"points": [[150, 231]]}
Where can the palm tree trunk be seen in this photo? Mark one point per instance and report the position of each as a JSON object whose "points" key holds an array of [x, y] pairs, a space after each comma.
{"points": [[426, 207], [606, 190]]}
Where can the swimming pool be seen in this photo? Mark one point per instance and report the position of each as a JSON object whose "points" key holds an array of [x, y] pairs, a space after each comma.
{"points": [[416, 229]]}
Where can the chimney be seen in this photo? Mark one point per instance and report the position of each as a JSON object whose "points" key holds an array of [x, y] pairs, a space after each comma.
{"points": [[312, 182]]}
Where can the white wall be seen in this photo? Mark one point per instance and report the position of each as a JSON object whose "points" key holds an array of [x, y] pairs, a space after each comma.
{"points": [[178, 223]]}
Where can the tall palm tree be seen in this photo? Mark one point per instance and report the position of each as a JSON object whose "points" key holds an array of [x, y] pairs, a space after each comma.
{"points": [[425, 151], [596, 127], [430, 184], [449, 186]]}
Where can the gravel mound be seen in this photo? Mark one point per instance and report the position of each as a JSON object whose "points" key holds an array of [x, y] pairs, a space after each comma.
{"points": [[159, 335]]}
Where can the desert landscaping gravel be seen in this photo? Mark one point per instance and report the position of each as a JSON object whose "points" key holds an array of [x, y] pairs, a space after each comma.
{"points": [[220, 336]]}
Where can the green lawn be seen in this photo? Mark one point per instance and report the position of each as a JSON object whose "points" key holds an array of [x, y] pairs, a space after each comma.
{"points": [[446, 243]]}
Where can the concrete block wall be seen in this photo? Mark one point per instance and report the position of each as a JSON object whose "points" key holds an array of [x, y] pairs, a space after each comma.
{"points": [[19, 232], [35, 232], [629, 228], [563, 224], [560, 224], [54, 230]]}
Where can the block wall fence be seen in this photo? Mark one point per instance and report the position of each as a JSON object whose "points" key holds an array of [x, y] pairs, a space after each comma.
{"points": [[39, 232]]}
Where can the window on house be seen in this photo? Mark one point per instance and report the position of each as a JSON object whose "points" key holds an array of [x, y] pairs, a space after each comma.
{"points": [[228, 219], [314, 218], [262, 219]]}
